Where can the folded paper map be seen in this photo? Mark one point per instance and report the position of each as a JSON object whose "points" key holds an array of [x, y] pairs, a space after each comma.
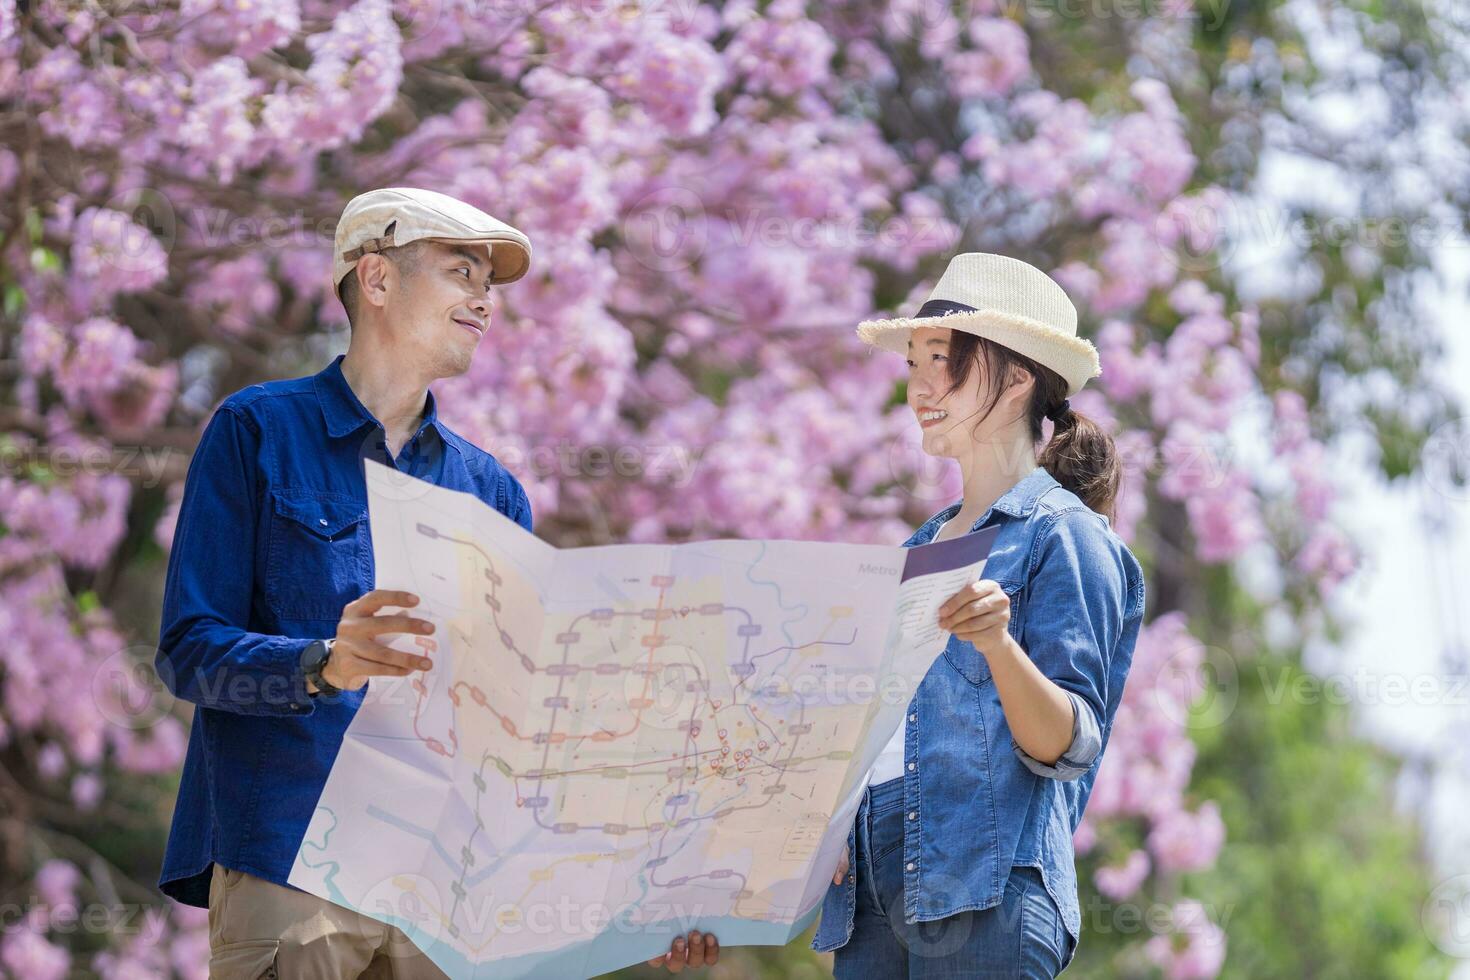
{"points": [[616, 744]]}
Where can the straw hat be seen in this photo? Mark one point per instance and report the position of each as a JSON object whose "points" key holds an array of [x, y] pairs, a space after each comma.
{"points": [[1006, 300]]}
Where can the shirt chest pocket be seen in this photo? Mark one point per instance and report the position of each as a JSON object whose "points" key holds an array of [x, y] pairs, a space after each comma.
{"points": [[968, 661], [318, 546]]}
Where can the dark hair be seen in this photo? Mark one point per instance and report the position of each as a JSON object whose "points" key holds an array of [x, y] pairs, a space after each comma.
{"points": [[1081, 456], [407, 257]]}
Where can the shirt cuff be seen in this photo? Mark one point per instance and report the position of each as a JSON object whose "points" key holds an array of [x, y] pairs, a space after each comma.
{"points": [[299, 700], [1080, 755]]}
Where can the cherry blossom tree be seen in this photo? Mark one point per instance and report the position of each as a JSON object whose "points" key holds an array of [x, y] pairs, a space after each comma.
{"points": [[717, 193]]}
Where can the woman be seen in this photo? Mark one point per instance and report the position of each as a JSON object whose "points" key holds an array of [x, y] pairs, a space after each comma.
{"points": [[961, 854], [960, 862]]}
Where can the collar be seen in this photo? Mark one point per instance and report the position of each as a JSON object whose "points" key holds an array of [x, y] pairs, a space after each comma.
{"points": [[344, 413], [1019, 501]]}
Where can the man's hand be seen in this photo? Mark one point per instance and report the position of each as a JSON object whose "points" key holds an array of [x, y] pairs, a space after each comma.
{"points": [[701, 949], [357, 655], [842, 867], [980, 614]]}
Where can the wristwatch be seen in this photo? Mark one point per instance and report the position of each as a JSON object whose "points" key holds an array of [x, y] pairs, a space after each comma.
{"points": [[314, 661]]}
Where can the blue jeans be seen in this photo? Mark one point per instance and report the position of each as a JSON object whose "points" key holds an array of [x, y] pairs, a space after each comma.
{"points": [[1023, 936]]}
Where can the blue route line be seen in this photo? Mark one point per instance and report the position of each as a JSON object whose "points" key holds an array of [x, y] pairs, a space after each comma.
{"points": [[413, 829], [424, 833], [753, 581], [330, 875]]}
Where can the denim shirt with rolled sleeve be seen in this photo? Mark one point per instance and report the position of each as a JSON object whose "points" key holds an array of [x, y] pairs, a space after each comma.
{"points": [[272, 541], [977, 804]]}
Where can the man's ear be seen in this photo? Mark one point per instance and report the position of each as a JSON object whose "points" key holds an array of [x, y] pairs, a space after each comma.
{"points": [[375, 276]]}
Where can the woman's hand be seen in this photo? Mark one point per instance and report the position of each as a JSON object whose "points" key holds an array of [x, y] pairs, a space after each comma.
{"points": [[841, 867], [980, 614], [700, 949]]}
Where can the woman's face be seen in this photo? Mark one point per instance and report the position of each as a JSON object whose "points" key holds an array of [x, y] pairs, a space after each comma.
{"points": [[946, 420]]}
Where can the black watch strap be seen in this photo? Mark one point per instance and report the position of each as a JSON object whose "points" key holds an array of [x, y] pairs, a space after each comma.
{"points": [[314, 661]]}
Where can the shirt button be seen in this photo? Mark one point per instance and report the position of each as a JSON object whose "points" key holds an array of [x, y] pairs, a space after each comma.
{"points": [[913, 717], [911, 767], [909, 866], [322, 521], [913, 815], [851, 879]]}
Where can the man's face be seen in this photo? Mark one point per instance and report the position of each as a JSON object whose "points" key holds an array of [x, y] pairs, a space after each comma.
{"points": [[442, 305]]}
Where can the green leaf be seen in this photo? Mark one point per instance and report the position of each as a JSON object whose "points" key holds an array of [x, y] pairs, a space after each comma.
{"points": [[15, 301], [44, 259]]}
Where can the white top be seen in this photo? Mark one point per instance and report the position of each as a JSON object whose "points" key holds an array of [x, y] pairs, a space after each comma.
{"points": [[889, 764]]}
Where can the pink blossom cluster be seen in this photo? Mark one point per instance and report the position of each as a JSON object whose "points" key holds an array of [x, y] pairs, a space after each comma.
{"points": [[161, 942], [1194, 950], [76, 683], [1324, 554], [1141, 791]]}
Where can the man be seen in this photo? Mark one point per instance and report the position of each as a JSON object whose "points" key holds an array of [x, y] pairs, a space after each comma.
{"points": [[270, 625]]}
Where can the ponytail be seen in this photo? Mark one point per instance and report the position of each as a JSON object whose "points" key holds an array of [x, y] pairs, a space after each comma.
{"points": [[1080, 456]]}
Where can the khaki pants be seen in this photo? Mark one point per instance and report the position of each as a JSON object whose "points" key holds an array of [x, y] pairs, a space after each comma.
{"points": [[259, 930]]}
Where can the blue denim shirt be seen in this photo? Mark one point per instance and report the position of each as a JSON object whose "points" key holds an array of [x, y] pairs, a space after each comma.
{"points": [[272, 542], [978, 804]]}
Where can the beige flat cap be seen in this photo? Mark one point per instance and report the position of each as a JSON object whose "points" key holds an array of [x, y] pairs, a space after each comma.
{"points": [[389, 216]]}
